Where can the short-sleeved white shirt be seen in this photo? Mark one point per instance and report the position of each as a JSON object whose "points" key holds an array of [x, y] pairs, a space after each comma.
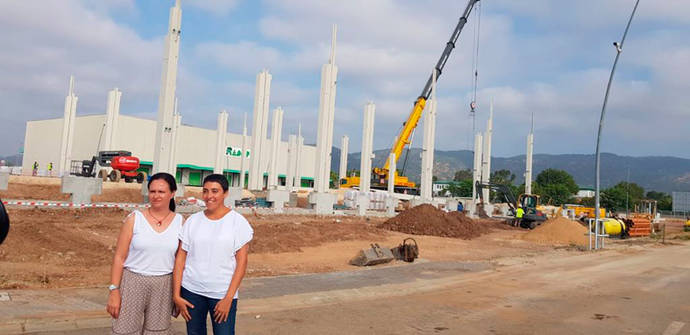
{"points": [[211, 246]]}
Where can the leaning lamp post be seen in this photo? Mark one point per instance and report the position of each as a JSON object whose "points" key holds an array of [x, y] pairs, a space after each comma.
{"points": [[619, 49]]}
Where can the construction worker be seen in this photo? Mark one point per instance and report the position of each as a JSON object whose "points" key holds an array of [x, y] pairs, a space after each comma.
{"points": [[35, 169], [50, 169], [519, 213]]}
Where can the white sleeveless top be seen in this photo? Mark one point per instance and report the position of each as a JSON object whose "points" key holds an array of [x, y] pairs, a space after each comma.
{"points": [[152, 253]]}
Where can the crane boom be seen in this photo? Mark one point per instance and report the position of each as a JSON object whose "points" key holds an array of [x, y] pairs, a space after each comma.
{"points": [[403, 138], [380, 176]]}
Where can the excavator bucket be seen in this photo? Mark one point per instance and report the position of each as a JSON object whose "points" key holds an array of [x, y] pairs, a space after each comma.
{"points": [[372, 256]]}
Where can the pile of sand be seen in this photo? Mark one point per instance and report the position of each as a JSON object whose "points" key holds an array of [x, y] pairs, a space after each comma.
{"points": [[429, 220], [558, 230]]}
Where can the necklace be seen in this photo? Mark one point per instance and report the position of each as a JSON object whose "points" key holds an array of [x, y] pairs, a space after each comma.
{"points": [[159, 221]]}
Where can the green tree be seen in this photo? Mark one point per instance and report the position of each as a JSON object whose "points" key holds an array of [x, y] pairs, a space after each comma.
{"points": [[461, 175], [460, 188], [555, 186], [504, 177], [434, 178], [618, 196], [664, 200]]}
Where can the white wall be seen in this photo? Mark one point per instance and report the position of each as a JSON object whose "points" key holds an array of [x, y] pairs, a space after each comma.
{"points": [[195, 146]]}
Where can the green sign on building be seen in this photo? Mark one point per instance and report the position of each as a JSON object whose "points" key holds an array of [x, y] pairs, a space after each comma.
{"points": [[237, 152]]}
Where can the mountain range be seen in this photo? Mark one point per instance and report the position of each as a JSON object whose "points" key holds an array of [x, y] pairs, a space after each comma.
{"points": [[653, 173]]}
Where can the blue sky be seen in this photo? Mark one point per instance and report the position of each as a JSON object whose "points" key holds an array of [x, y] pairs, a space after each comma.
{"points": [[543, 56]]}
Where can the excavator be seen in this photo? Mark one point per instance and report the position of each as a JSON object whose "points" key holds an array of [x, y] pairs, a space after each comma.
{"points": [[379, 176], [529, 203]]}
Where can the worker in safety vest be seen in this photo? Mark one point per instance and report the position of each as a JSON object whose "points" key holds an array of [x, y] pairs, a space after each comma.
{"points": [[518, 215], [35, 169], [50, 169]]}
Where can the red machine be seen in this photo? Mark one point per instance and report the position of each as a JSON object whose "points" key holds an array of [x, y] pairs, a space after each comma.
{"points": [[127, 167], [123, 166]]}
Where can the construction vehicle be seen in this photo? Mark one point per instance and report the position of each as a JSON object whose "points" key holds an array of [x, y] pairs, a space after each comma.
{"points": [[580, 211], [379, 176], [529, 203], [121, 163]]}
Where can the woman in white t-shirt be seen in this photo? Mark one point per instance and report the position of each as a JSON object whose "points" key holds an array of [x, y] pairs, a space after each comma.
{"points": [[211, 262], [140, 300]]}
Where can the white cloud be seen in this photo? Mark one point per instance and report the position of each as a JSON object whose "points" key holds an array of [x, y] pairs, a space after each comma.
{"points": [[49, 40], [216, 7]]}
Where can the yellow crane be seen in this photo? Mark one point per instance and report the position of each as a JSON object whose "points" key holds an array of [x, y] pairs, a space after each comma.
{"points": [[379, 176]]}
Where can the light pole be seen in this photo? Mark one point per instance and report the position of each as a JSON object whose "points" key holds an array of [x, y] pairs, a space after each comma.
{"points": [[619, 49]]}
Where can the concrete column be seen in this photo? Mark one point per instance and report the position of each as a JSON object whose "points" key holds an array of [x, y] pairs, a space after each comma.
{"points": [[292, 163], [528, 167], [343, 156], [163, 144], [259, 129], [367, 147], [486, 153], [324, 136], [177, 123], [428, 145], [391, 201], [277, 125], [221, 133], [528, 159], [112, 115], [243, 157], [298, 159], [476, 171], [68, 129]]}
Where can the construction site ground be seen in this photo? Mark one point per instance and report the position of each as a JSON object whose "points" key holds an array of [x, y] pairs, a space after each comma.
{"points": [[55, 263]]}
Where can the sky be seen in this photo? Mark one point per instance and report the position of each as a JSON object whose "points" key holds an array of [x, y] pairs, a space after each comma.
{"points": [[548, 58]]}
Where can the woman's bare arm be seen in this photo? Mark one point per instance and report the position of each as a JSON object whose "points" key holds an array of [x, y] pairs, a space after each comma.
{"points": [[121, 251]]}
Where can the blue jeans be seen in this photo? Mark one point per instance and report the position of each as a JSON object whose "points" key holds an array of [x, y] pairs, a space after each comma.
{"points": [[202, 307]]}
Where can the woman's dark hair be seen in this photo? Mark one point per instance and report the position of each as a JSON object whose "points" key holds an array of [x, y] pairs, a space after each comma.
{"points": [[217, 178], [171, 183]]}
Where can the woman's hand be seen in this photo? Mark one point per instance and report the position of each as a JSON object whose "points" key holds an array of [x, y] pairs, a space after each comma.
{"points": [[113, 306], [182, 305], [222, 309]]}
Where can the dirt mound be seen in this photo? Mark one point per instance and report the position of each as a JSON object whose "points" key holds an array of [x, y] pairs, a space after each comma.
{"points": [[558, 231], [429, 220]]}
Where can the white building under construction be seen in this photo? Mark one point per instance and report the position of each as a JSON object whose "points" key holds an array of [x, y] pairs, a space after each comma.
{"points": [[194, 154]]}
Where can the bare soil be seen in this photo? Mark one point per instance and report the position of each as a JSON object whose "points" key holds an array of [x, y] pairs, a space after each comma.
{"points": [[74, 247], [48, 188]]}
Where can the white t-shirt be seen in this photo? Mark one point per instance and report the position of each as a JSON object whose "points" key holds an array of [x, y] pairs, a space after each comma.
{"points": [[211, 246], [152, 253]]}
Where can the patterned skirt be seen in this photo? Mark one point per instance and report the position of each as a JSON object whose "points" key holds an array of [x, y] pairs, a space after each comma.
{"points": [[146, 305]]}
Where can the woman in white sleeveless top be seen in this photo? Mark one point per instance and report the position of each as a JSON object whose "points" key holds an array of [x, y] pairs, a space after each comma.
{"points": [[140, 300]]}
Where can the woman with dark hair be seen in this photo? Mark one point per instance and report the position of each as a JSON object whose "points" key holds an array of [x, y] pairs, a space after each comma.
{"points": [[211, 262], [140, 300]]}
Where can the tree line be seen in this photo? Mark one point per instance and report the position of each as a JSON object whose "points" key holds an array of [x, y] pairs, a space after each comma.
{"points": [[558, 187]]}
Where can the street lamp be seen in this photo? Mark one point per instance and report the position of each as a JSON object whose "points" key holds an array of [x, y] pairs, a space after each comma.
{"points": [[619, 50]]}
